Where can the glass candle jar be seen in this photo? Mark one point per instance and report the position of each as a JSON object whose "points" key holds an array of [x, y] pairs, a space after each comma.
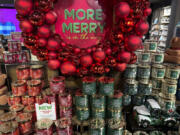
{"points": [[89, 85], [12, 100], [65, 112], [81, 100], [18, 108], [19, 88], [34, 87], [14, 46], [9, 128], [37, 71], [30, 109], [27, 100], [39, 100], [115, 101], [25, 122], [44, 127], [57, 85], [8, 58], [65, 100], [23, 72]]}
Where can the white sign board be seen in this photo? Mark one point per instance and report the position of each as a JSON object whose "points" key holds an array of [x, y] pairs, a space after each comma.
{"points": [[46, 111]]}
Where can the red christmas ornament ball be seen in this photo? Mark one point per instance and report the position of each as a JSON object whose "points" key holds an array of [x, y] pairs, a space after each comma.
{"points": [[122, 9], [147, 11], [86, 60], [77, 50], [42, 42], [121, 67], [44, 31], [99, 55], [133, 43], [23, 7], [51, 17], [26, 26], [124, 57], [68, 68], [52, 55], [108, 51], [36, 18], [53, 45], [142, 27], [54, 64]]}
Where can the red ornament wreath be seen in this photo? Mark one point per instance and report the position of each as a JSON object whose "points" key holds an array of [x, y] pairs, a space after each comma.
{"points": [[37, 16]]}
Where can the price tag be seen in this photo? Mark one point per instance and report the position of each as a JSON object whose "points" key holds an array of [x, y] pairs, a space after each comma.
{"points": [[46, 111]]}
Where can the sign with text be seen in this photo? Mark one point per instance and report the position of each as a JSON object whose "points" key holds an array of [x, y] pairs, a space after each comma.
{"points": [[46, 111], [80, 22]]}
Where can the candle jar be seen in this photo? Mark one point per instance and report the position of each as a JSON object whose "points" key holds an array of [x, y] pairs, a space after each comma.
{"points": [[130, 71], [98, 113], [81, 100], [37, 71], [98, 102], [17, 108], [19, 88], [44, 127], [27, 100], [114, 113], [34, 87], [31, 109], [23, 72], [12, 100], [9, 116], [25, 122], [106, 86], [97, 127], [65, 112], [9, 128], [14, 46], [89, 85], [57, 85], [8, 58], [39, 100], [131, 87], [63, 127], [65, 100], [115, 102], [23, 57], [82, 113]]}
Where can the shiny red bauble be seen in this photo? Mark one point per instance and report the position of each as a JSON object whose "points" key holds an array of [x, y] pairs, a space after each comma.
{"points": [[122, 9], [42, 42], [26, 26], [99, 55], [77, 50], [108, 51], [44, 5], [53, 45], [124, 57], [36, 18], [147, 11], [23, 7], [142, 27], [51, 17], [54, 64], [133, 43], [121, 67], [86, 60], [44, 31], [52, 55], [68, 68]]}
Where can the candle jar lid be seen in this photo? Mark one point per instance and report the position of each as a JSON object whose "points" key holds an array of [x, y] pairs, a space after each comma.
{"points": [[23, 67], [34, 83], [16, 108], [8, 127], [105, 79], [29, 109], [44, 124], [24, 117], [89, 79], [34, 67], [7, 116], [63, 123], [18, 83]]}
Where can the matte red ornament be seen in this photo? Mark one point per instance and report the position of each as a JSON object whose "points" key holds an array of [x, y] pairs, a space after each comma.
{"points": [[44, 31], [122, 9], [124, 57], [53, 45], [99, 55], [147, 11], [23, 7], [52, 55], [142, 27], [36, 18], [86, 60], [54, 64], [26, 26], [68, 68], [121, 67], [133, 43], [42, 42], [51, 17]]}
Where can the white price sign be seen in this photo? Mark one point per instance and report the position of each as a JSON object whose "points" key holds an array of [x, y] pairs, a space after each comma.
{"points": [[46, 111]]}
